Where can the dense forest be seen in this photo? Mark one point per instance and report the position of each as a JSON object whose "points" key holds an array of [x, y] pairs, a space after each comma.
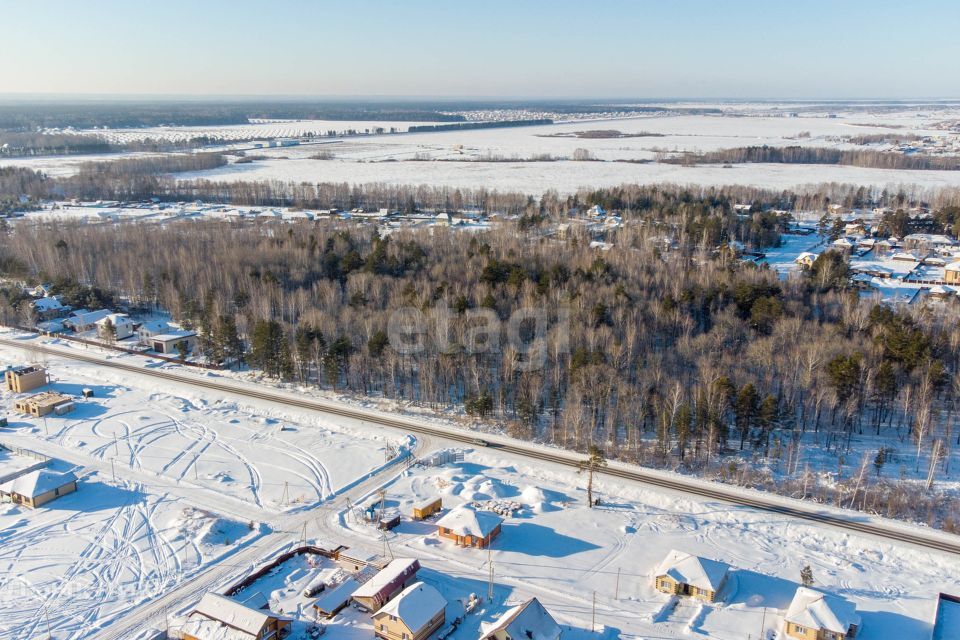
{"points": [[666, 350], [670, 355], [820, 155]]}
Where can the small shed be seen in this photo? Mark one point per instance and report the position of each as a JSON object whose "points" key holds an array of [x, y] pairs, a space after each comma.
{"points": [[426, 508]]}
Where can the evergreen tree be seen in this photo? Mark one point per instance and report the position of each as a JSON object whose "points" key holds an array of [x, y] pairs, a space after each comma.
{"points": [[594, 463]]}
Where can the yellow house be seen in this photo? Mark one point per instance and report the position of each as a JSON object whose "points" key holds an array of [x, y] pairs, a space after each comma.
{"points": [[951, 273], [687, 575], [806, 260], [216, 617], [416, 613], [39, 487], [814, 615], [23, 379]]}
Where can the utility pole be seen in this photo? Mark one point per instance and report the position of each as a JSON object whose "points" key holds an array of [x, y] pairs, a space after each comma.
{"points": [[303, 535], [490, 578], [763, 624], [593, 613], [116, 450], [284, 499], [616, 591]]}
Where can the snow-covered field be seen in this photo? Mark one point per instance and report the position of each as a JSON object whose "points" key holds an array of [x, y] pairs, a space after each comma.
{"points": [[83, 560], [272, 462], [452, 158]]}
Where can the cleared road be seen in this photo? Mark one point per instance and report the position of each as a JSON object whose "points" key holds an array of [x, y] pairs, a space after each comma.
{"points": [[849, 521]]}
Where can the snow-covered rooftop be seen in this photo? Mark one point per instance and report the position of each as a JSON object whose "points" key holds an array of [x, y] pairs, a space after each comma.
{"points": [[693, 570], [228, 616], [37, 483], [818, 610], [528, 620], [415, 606], [467, 521], [47, 304], [396, 568]]}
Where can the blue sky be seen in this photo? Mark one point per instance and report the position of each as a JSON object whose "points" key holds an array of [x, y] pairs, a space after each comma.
{"points": [[600, 48]]}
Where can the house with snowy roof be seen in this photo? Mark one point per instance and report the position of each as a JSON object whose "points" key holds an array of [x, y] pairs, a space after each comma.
{"points": [[684, 574], [814, 615], [951, 273], [38, 487], [84, 320], [387, 583], [218, 617], [470, 527], [806, 259], [416, 613], [48, 308], [116, 326], [527, 621]]}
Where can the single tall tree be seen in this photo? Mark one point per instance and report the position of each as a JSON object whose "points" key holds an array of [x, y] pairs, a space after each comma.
{"points": [[595, 462]]}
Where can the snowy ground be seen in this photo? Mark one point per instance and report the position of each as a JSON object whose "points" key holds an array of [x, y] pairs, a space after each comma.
{"points": [[444, 158], [88, 557], [561, 551]]}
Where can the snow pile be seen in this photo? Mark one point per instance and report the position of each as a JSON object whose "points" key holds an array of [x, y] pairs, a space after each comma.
{"points": [[505, 508], [207, 529]]}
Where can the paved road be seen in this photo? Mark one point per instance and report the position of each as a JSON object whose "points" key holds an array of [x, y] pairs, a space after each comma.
{"points": [[850, 521]]}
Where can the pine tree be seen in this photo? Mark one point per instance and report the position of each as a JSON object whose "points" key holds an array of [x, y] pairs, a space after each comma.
{"points": [[594, 463], [806, 576]]}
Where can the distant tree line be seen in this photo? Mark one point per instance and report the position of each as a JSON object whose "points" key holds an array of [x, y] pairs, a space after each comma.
{"points": [[462, 126], [820, 155]]}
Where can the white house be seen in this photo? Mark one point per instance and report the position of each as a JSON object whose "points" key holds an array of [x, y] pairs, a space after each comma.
{"points": [[121, 323], [150, 328]]}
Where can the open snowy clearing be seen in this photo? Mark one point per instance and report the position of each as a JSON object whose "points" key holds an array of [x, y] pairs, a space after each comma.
{"points": [[449, 158], [272, 462], [559, 549], [83, 560]]}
